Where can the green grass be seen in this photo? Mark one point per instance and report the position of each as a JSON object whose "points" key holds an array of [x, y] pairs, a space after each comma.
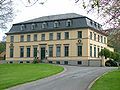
{"points": [[14, 74], [109, 81]]}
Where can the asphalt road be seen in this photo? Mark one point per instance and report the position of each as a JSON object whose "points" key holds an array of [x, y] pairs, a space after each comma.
{"points": [[74, 78]]}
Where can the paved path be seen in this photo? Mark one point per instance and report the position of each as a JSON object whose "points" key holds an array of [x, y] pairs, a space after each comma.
{"points": [[75, 78]]}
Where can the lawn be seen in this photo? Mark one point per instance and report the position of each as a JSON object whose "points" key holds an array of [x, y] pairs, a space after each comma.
{"points": [[14, 74], [109, 81]]}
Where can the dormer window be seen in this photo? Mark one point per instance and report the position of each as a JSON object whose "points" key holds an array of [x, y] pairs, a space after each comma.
{"points": [[56, 24], [68, 23], [33, 26], [95, 24], [44, 25], [22, 27], [91, 22]]}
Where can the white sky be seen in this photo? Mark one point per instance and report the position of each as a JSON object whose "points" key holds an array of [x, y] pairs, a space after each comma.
{"points": [[51, 7]]}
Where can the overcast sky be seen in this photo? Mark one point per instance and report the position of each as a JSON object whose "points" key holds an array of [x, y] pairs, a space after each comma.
{"points": [[51, 7]]}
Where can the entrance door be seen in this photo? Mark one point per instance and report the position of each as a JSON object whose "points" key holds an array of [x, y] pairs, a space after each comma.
{"points": [[42, 53]]}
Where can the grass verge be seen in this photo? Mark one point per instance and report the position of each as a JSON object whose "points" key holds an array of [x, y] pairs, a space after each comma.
{"points": [[109, 81], [14, 74]]}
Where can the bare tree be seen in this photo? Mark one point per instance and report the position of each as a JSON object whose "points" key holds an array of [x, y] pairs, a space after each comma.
{"points": [[6, 13]]}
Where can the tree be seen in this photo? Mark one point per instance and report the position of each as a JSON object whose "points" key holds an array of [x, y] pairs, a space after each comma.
{"points": [[107, 9], [2, 46], [6, 13], [105, 52]]}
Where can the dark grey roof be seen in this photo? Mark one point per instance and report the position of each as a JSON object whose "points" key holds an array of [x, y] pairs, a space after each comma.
{"points": [[53, 17], [78, 21]]}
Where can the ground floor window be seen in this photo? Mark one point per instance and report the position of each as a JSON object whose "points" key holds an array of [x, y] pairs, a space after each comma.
{"points": [[79, 62], [94, 51], [50, 51], [28, 51], [91, 51], [57, 62], [21, 51], [35, 51], [79, 50], [50, 61], [58, 51], [66, 62], [66, 51], [11, 52]]}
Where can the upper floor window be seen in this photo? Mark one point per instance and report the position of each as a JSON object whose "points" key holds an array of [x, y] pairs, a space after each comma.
{"points": [[66, 35], [101, 39], [91, 35], [56, 24], [28, 38], [79, 34], [44, 25], [11, 38], [43, 37], [35, 37], [94, 36], [50, 36], [22, 38], [95, 24], [105, 40], [68, 23], [91, 22], [98, 38], [58, 36], [33, 26], [22, 27]]}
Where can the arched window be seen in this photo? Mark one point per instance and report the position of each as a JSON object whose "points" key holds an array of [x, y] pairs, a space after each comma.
{"points": [[44, 25], [56, 24], [68, 23], [22, 27], [33, 26]]}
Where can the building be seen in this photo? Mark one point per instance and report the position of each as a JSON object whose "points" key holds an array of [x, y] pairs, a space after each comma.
{"points": [[64, 39]]}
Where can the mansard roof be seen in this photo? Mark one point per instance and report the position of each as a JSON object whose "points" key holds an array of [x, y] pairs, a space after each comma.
{"points": [[78, 22]]}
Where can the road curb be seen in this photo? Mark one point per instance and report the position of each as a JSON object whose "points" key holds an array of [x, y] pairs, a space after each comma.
{"points": [[91, 84]]}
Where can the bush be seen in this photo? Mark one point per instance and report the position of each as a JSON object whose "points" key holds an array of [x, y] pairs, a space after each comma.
{"points": [[111, 63], [35, 60]]}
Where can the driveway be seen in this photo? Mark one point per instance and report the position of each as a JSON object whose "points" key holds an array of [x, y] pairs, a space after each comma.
{"points": [[74, 78]]}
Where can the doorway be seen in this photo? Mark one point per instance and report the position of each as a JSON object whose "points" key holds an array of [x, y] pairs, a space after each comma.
{"points": [[42, 53]]}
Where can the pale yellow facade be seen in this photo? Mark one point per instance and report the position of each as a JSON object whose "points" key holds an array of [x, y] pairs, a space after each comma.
{"points": [[72, 42]]}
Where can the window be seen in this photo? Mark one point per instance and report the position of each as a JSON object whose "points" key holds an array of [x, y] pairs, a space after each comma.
{"points": [[95, 51], [68, 23], [28, 38], [95, 24], [101, 39], [79, 50], [43, 37], [22, 27], [58, 51], [98, 38], [58, 36], [94, 36], [57, 62], [28, 51], [50, 36], [91, 22], [66, 51], [33, 26], [22, 38], [98, 51], [91, 50], [56, 24], [66, 62], [50, 51], [66, 35], [105, 40], [91, 35], [11, 52], [35, 37], [79, 34], [35, 51], [79, 62], [11, 38], [44, 25], [50, 62], [21, 51]]}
